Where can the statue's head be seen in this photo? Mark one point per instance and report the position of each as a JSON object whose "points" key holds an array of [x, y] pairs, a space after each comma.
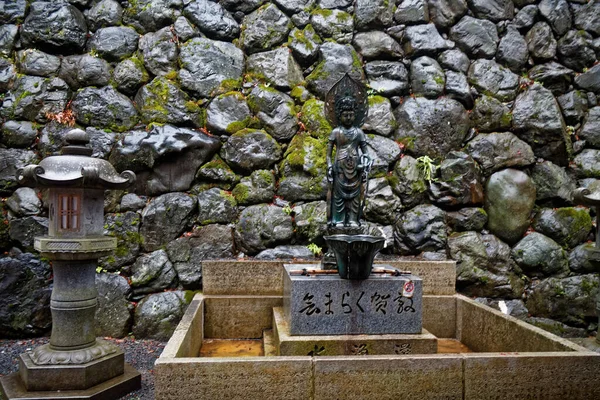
{"points": [[346, 110]]}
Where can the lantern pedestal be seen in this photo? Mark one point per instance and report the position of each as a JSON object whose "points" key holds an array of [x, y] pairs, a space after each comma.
{"points": [[74, 365]]}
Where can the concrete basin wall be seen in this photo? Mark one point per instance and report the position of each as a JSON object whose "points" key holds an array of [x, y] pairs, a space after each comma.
{"points": [[512, 359]]}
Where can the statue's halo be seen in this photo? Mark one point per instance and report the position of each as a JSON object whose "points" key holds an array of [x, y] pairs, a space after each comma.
{"points": [[347, 86]]}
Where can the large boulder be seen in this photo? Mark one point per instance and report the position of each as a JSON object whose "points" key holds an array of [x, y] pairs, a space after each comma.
{"points": [[568, 226], [163, 102], [159, 51], [157, 315], [483, 266], [540, 256], [212, 19], [174, 155], [493, 10], [250, 149], [558, 15], [431, 127], [384, 153], [587, 163], [478, 38], [125, 227], [13, 11], [151, 15], [216, 206], [264, 29], [376, 44], [216, 170], [467, 219], [552, 183], [18, 133], [33, 98], [85, 70], [104, 13], [114, 43], [373, 13], [554, 76], [187, 252], [206, 64], [540, 41], [152, 272], [335, 24], [311, 222], [303, 169], [381, 205], [35, 62], [165, 218], [427, 77], [228, 113], [460, 181], [388, 78], [424, 39], [24, 201], [497, 151], [12, 160], [510, 197], [305, 44], [512, 50], [412, 12], [380, 119], [490, 115], [335, 61], [538, 121], [576, 51], [408, 183], [492, 79], [24, 230], [114, 313], [105, 108], [275, 110], [587, 17], [422, 228], [57, 25], [581, 260], [590, 131], [129, 75], [257, 188], [24, 296], [445, 13], [454, 60], [570, 300], [574, 107], [277, 66], [589, 80], [262, 226]]}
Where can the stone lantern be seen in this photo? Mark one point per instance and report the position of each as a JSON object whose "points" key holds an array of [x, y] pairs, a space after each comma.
{"points": [[75, 364]]}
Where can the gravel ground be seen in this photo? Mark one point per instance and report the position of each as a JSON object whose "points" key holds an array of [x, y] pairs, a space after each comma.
{"points": [[140, 354]]}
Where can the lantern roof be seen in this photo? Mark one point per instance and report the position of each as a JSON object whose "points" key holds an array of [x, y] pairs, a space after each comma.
{"points": [[75, 167]]}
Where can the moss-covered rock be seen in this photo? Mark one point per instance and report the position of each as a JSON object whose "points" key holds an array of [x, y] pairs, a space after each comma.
{"points": [[250, 149], [313, 118], [162, 101], [568, 226], [259, 187], [217, 170]]}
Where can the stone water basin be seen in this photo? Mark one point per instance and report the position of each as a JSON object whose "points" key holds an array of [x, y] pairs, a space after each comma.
{"points": [[488, 355]]}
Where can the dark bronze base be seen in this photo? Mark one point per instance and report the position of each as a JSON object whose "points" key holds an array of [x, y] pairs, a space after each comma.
{"points": [[12, 387]]}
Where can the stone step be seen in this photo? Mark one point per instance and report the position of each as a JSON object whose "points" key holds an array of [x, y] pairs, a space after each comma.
{"points": [[330, 345]]}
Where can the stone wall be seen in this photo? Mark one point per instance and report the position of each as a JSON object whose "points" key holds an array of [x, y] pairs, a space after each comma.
{"points": [[483, 118]]}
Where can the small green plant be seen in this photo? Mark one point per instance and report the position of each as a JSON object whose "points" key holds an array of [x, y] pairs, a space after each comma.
{"points": [[287, 209], [316, 250], [94, 53], [100, 270], [570, 130], [427, 168]]}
